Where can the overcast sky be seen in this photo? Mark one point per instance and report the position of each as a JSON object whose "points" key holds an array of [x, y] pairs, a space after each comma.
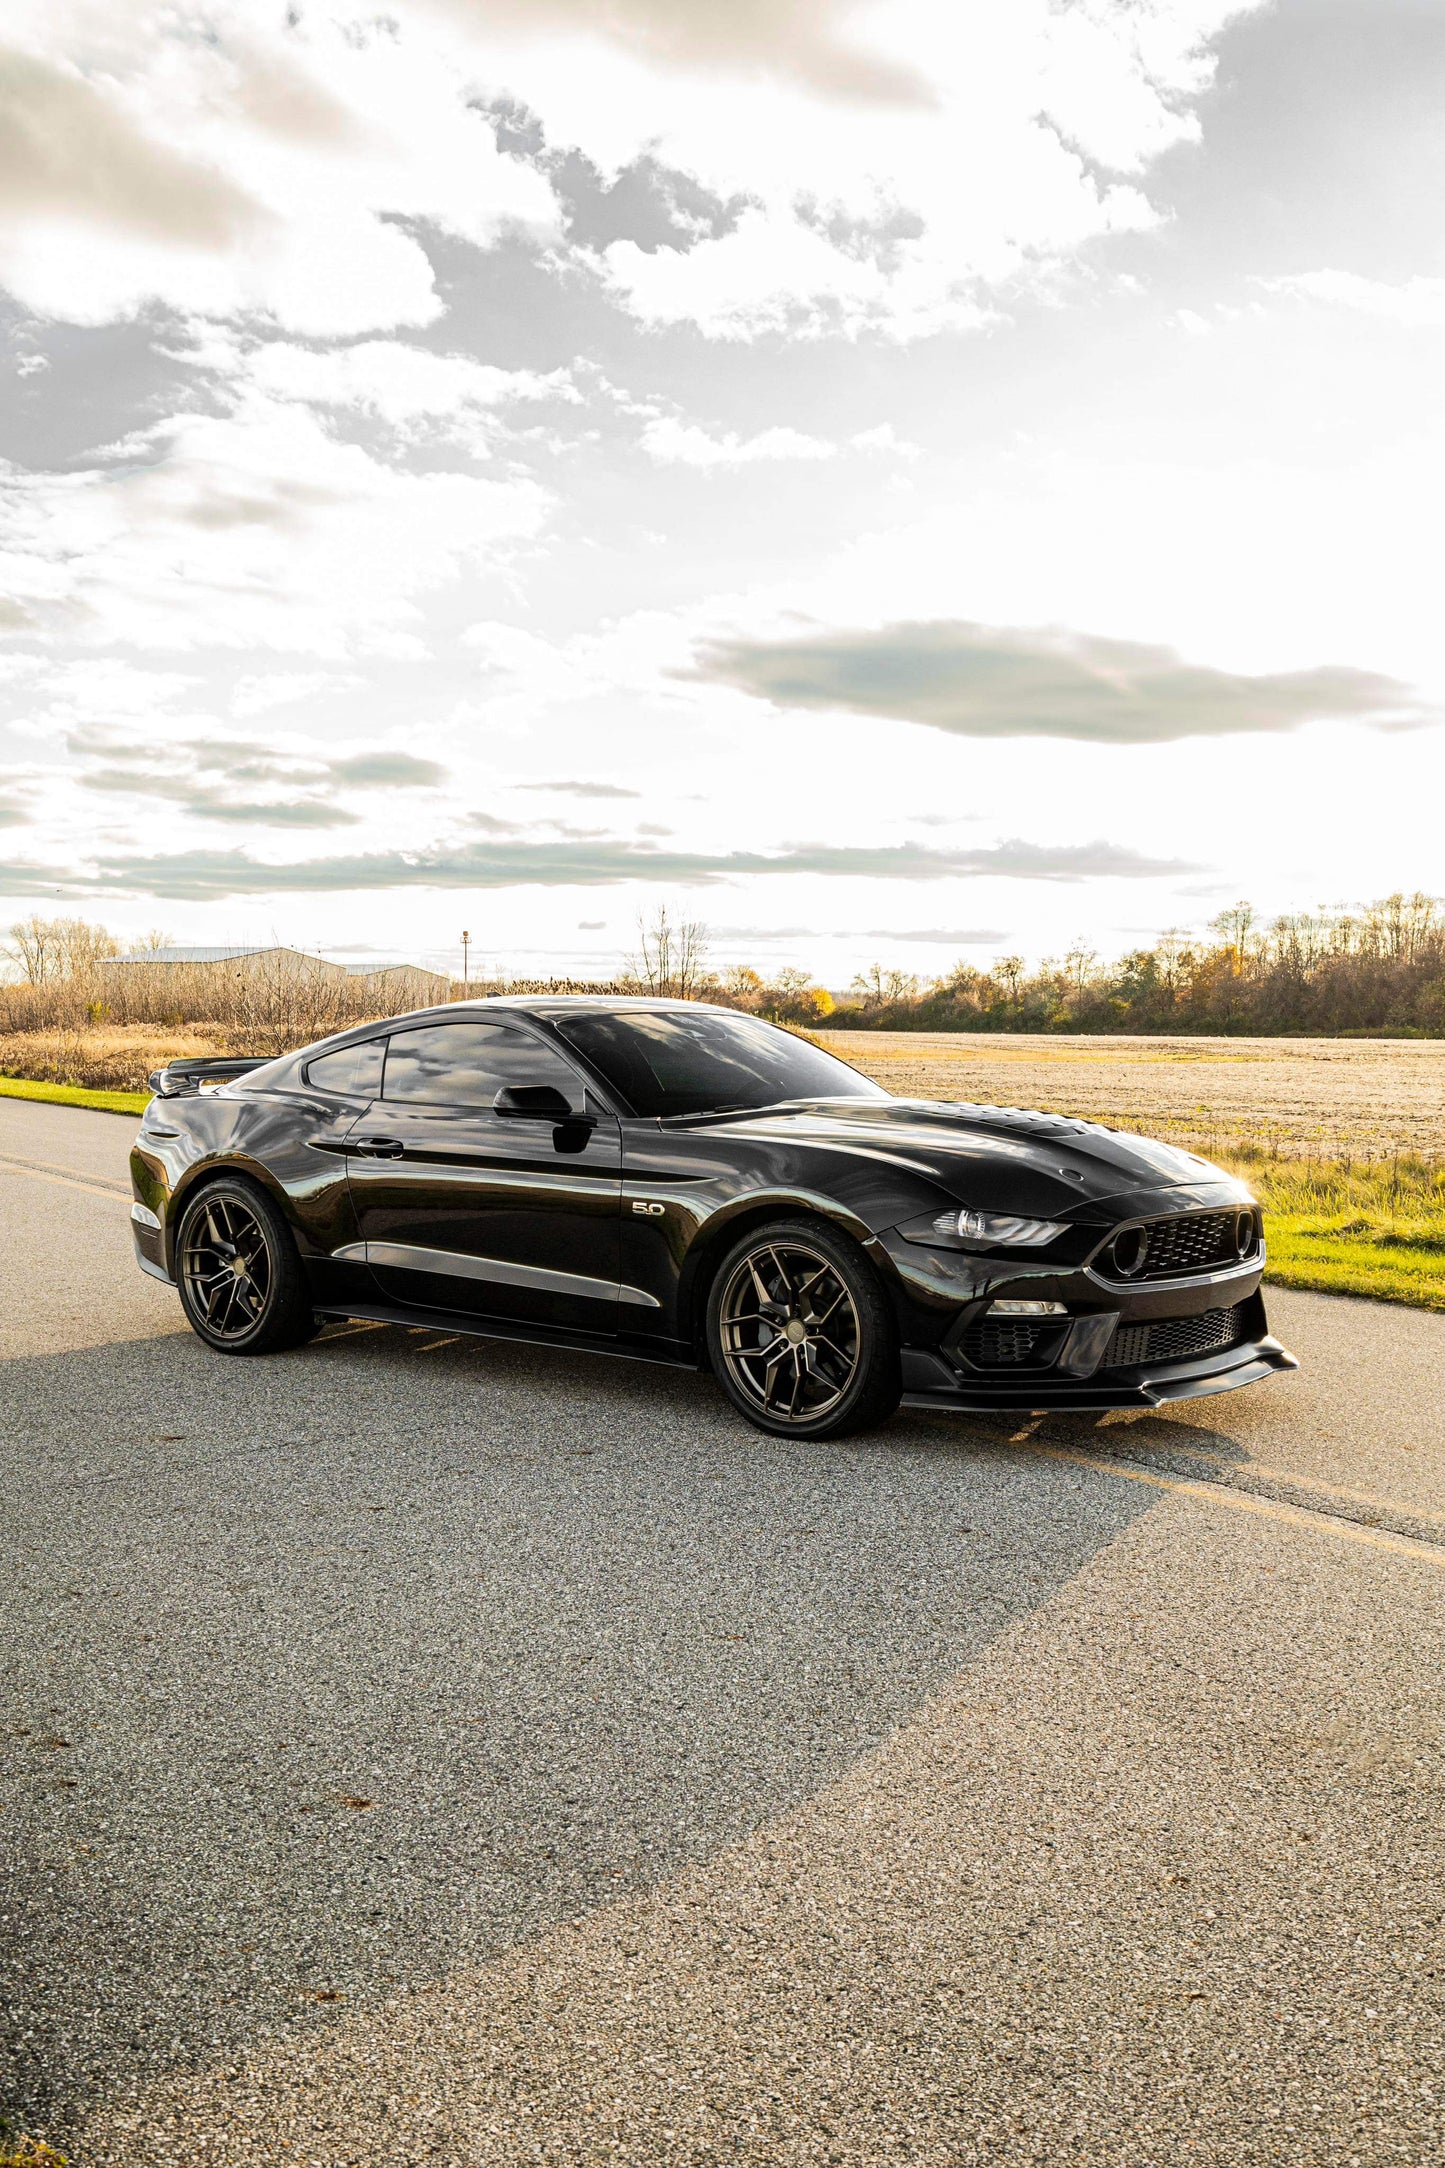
{"points": [[903, 481]]}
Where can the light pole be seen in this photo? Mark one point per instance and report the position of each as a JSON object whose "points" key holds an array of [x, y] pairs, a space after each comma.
{"points": [[466, 975]]}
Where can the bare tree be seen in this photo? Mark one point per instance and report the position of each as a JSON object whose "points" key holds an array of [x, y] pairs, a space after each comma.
{"points": [[1235, 927], [1010, 971], [46, 950], [671, 954], [1079, 968], [878, 988]]}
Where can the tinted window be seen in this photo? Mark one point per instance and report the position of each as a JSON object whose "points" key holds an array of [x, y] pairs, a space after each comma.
{"points": [[353, 1071], [466, 1065], [696, 1061]]}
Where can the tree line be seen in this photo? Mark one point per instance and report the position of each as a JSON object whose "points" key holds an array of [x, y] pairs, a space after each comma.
{"points": [[1379, 970]]}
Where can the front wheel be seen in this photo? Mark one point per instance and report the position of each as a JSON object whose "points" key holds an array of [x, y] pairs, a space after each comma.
{"points": [[241, 1282], [800, 1333]]}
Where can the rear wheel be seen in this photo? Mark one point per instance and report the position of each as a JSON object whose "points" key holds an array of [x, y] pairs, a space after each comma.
{"points": [[241, 1283], [801, 1335]]}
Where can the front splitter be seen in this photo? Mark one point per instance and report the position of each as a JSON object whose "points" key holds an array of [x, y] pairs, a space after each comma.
{"points": [[1147, 1388]]}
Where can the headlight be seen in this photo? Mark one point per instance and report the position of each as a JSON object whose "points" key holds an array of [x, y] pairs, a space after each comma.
{"points": [[1004, 1230]]}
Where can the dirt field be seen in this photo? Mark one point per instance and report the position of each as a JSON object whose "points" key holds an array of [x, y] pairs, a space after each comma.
{"points": [[1299, 1098]]}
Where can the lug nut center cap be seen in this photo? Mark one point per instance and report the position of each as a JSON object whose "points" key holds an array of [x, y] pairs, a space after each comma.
{"points": [[796, 1330]]}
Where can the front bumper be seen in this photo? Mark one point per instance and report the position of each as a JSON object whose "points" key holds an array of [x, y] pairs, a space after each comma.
{"points": [[1100, 1354], [930, 1382]]}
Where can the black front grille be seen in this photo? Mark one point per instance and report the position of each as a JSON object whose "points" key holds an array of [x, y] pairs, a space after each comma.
{"points": [[1174, 1247], [1166, 1339], [1008, 1343]]}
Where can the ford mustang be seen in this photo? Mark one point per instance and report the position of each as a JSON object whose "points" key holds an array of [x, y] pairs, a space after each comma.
{"points": [[691, 1185]]}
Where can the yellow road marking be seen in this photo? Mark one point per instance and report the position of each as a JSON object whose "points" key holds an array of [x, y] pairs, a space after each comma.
{"points": [[1309, 1482], [67, 1181], [432, 1345], [1269, 1509]]}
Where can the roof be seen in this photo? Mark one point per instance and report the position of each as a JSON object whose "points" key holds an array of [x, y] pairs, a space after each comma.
{"points": [[381, 971], [271, 948], [201, 955]]}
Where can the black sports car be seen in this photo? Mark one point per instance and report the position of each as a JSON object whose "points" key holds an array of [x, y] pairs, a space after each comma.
{"points": [[692, 1185]]}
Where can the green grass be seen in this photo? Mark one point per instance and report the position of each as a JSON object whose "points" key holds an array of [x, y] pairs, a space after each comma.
{"points": [[74, 1095], [1354, 1227]]}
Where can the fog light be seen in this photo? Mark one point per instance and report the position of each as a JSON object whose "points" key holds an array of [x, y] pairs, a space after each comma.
{"points": [[1009, 1308], [143, 1216]]}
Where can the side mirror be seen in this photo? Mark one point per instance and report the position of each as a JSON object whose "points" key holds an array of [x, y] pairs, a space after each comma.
{"points": [[534, 1102]]}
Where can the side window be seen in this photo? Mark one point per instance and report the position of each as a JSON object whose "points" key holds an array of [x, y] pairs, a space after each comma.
{"points": [[353, 1071], [466, 1065]]}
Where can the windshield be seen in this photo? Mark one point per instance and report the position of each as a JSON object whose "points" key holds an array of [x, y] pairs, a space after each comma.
{"points": [[700, 1061]]}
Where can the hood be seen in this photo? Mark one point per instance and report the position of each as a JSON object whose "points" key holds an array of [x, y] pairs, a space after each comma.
{"points": [[995, 1158]]}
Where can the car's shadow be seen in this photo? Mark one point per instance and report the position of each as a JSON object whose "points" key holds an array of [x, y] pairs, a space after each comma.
{"points": [[325, 1672]]}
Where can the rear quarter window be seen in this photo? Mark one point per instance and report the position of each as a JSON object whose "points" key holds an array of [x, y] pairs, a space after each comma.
{"points": [[352, 1072]]}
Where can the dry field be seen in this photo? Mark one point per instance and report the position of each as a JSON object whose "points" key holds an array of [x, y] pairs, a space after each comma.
{"points": [[107, 1057], [1289, 1098]]}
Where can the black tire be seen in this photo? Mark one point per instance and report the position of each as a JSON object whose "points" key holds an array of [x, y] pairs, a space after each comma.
{"points": [[241, 1281], [800, 1333]]}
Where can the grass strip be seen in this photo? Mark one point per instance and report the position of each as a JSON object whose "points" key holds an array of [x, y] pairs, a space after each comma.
{"points": [[1353, 1227], [74, 1095]]}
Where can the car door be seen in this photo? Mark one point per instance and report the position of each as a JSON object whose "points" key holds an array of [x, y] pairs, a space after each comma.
{"points": [[486, 1179]]}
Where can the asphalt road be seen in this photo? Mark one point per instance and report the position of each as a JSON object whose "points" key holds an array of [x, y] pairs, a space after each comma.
{"points": [[420, 1749]]}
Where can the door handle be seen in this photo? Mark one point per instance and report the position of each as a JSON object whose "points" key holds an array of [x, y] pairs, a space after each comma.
{"points": [[376, 1147]]}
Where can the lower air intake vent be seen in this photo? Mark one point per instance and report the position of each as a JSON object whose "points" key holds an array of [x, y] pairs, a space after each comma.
{"points": [[1169, 1338], [1010, 1343]]}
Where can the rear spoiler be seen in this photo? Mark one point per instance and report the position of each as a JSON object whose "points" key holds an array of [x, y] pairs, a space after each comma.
{"points": [[179, 1077]]}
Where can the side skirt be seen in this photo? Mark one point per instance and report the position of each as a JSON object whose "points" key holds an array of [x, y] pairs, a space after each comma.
{"points": [[671, 1354]]}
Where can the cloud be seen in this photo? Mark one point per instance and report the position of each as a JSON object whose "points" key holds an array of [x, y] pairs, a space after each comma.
{"points": [[1414, 302], [409, 388], [812, 42], [890, 169], [209, 778], [270, 162], [203, 875], [986, 681], [582, 790], [375, 771], [67, 150], [251, 529], [902, 217], [671, 442], [681, 444], [944, 936]]}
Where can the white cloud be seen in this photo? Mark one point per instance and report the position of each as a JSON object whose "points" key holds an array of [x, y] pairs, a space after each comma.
{"points": [[255, 529], [258, 166], [674, 443], [682, 444], [899, 159], [901, 215], [1417, 301], [407, 387]]}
